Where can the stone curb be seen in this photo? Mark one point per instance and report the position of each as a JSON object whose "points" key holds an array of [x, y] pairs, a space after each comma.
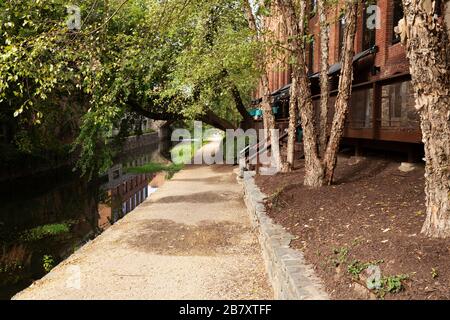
{"points": [[290, 276]]}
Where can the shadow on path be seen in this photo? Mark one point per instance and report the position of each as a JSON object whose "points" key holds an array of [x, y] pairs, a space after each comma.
{"points": [[166, 237], [199, 197]]}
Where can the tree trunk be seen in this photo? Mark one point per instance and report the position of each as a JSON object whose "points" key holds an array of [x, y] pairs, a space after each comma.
{"points": [[429, 55], [292, 128], [293, 111], [269, 119], [324, 79], [211, 118], [246, 117], [295, 25], [208, 116], [344, 91]]}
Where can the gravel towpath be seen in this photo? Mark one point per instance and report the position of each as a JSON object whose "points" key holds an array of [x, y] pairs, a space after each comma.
{"points": [[192, 239]]}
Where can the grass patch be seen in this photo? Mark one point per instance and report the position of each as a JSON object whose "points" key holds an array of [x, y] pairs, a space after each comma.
{"points": [[47, 230], [170, 169]]}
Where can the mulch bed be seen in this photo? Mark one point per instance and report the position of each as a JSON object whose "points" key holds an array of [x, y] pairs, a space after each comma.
{"points": [[372, 214]]}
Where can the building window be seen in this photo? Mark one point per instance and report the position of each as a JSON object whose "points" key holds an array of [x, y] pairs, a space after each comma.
{"points": [[311, 57], [397, 16], [341, 36], [361, 108], [369, 33], [398, 106]]}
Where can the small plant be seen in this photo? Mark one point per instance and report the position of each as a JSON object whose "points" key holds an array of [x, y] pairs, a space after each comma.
{"points": [[434, 273], [340, 256], [392, 284], [357, 241], [356, 267], [275, 198], [48, 262]]}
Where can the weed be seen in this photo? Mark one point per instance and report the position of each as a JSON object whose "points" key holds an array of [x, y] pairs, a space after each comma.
{"points": [[392, 284], [340, 256], [356, 267], [171, 169], [48, 262], [434, 273], [357, 241], [44, 231], [275, 198]]}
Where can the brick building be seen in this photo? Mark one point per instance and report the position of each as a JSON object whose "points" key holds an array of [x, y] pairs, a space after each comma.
{"points": [[382, 112]]}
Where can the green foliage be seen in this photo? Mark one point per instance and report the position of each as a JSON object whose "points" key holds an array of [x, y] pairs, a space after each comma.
{"points": [[356, 267], [76, 86], [47, 230], [340, 256], [171, 169], [48, 262], [12, 266], [392, 284]]}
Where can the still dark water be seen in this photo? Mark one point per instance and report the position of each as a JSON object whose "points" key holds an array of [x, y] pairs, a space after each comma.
{"points": [[45, 218]]}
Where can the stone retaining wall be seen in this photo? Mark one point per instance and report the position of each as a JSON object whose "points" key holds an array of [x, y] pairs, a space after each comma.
{"points": [[291, 277], [136, 142]]}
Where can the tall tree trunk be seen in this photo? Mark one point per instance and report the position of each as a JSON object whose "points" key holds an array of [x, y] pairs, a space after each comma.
{"points": [[266, 106], [429, 55], [317, 172], [344, 91], [293, 111], [295, 24], [324, 79], [292, 128]]}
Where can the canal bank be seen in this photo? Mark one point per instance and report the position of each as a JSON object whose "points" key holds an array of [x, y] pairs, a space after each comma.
{"points": [[192, 239], [47, 216]]}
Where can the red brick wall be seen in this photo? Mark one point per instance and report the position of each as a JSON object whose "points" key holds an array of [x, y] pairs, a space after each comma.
{"points": [[391, 58]]}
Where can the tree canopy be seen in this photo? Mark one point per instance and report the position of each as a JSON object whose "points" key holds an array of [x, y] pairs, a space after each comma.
{"points": [[173, 59]]}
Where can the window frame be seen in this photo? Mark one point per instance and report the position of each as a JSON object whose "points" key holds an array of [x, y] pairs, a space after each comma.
{"points": [[395, 38], [366, 31]]}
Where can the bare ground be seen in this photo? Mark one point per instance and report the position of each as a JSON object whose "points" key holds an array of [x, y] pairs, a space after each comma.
{"points": [[372, 214]]}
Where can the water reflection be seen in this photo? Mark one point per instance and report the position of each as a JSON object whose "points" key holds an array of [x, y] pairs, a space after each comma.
{"points": [[46, 218]]}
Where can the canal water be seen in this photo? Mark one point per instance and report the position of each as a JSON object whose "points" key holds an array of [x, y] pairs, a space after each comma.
{"points": [[45, 218]]}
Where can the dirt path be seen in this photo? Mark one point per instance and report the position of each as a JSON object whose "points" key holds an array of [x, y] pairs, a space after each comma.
{"points": [[190, 240]]}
